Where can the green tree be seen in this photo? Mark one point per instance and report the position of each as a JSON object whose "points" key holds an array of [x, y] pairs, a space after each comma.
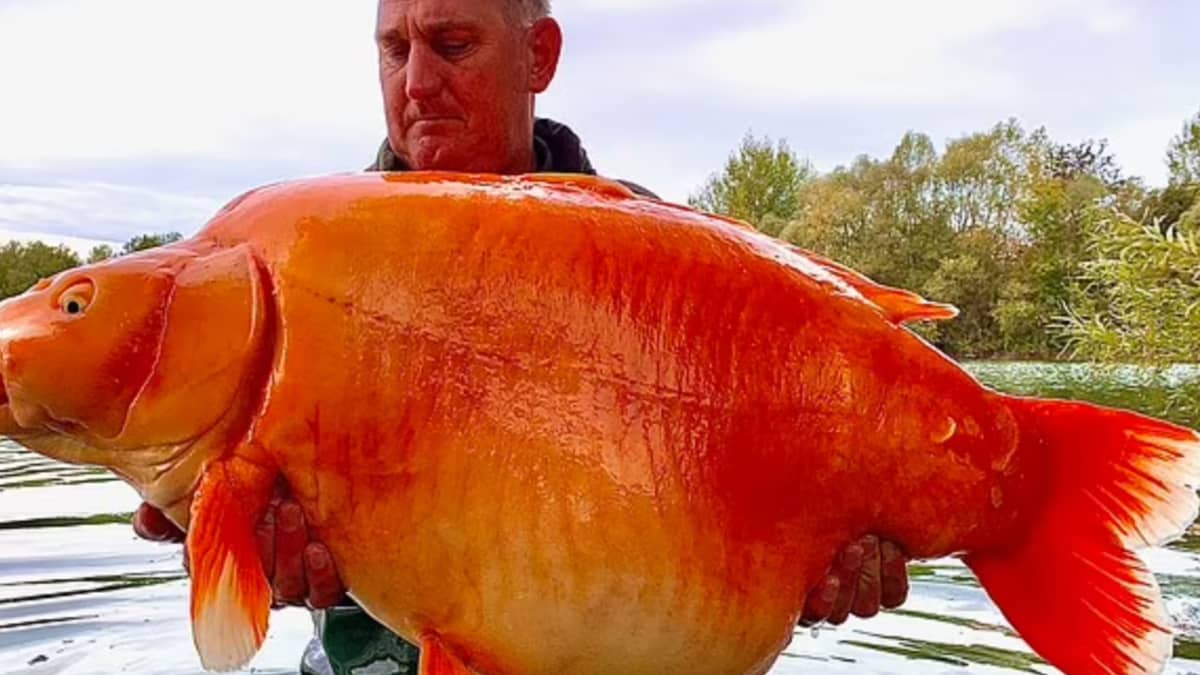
{"points": [[24, 264], [1060, 219], [984, 176], [1001, 223], [833, 212], [1189, 222], [760, 182], [1166, 207], [1089, 158], [971, 277], [1020, 316], [1183, 156], [143, 242], [1139, 301], [100, 253]]}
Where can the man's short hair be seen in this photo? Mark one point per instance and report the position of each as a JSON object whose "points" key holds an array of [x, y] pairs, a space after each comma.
{"points": [[528, 11]]}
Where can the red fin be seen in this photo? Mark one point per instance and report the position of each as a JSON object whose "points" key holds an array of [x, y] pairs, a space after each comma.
{"points": [[436, 660], [899, 305], [231, 598], [1073, 587]]}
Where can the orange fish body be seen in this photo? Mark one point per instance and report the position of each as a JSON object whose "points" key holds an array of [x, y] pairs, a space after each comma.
{"points": [[547, 427]]}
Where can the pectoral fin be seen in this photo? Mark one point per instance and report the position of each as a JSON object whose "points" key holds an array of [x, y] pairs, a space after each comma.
{"points": [[231, 597]]}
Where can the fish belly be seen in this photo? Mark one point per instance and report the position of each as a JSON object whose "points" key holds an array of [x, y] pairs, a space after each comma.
{"points": [[541, 573]]}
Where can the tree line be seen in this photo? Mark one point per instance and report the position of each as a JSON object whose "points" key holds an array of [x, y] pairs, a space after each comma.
{"points": [[22, 264], [1049, 249]]}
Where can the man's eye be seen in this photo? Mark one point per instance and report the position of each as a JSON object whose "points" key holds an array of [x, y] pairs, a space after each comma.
{"points": [[397, 51], [454, 49]]}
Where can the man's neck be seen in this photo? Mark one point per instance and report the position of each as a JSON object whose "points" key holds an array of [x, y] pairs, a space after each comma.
{"points": [[524, 162]]}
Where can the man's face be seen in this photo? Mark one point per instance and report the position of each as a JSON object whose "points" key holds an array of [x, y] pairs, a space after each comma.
{"points": [[458, 79]]}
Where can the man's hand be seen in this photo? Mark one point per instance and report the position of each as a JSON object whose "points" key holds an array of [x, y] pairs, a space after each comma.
{"points": [[301, 571], [150, 523], [865, 577]]}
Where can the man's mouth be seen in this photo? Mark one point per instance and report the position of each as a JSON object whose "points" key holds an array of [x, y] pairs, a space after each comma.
{"points": [[432, 119]]}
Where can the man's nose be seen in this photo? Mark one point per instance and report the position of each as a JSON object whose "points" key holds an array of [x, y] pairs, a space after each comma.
{"points": [[423, 77]]}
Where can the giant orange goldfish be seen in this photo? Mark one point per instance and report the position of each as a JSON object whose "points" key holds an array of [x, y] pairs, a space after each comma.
{"points": [[547, 427]]}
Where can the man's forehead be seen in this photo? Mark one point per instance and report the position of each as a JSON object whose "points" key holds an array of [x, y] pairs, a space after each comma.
{"points": [[397, 14]]}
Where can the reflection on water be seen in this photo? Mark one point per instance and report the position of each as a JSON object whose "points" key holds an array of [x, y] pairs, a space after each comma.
{"points": [[79, 593]]}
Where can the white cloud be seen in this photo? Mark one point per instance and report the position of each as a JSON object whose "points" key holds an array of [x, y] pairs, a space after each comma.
{"points": [[661, 90], [99, 211], [135, 78], [919, 52]]}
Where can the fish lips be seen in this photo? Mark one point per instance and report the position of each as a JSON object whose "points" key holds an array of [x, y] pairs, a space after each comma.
{"points": [[8, 423]]}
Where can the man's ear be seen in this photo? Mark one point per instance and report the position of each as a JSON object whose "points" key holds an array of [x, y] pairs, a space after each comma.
{"points": [[545, 43]]}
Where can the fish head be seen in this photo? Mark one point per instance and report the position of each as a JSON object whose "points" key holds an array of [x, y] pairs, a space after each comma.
{"points": [[141, 364]]}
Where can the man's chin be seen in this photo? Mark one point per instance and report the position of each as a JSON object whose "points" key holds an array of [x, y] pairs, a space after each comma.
{"points": [[435, 160], [439, 151]]}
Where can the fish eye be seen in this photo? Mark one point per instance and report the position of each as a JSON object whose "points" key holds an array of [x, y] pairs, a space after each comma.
{"points": [[75, 300]]}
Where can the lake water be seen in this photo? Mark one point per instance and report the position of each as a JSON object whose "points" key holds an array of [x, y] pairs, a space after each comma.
{"points": [[79, 593]]}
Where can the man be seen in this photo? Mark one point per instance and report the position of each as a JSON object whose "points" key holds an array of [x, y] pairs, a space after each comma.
{"points": [[459, 79]]}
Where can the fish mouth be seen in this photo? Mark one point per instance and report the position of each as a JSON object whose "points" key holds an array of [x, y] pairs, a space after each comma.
{"points": [[7, 422], [8, 425]]}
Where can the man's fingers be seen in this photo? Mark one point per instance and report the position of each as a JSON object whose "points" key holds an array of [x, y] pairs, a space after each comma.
{"points": [[149, 523], [894, 576], [324, 586], [847, 570], [265, 534], [867, 593], [290, 540], [820, 601]]}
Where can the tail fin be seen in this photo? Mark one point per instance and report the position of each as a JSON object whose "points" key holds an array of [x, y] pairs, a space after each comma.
{"points": [[1072, 587]]}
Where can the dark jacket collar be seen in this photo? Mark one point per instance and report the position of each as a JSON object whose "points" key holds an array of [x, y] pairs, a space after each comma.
{"points": [[556, 149]]}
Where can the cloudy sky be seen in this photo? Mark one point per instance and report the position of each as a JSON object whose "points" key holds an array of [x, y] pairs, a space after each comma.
{"points": [[119, 117]]}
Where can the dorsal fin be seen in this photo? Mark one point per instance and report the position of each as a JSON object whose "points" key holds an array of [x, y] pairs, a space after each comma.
{"points": [[900, 306]]}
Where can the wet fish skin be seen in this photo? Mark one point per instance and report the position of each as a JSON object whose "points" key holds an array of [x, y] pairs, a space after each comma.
{"points": [[544, 426]]}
